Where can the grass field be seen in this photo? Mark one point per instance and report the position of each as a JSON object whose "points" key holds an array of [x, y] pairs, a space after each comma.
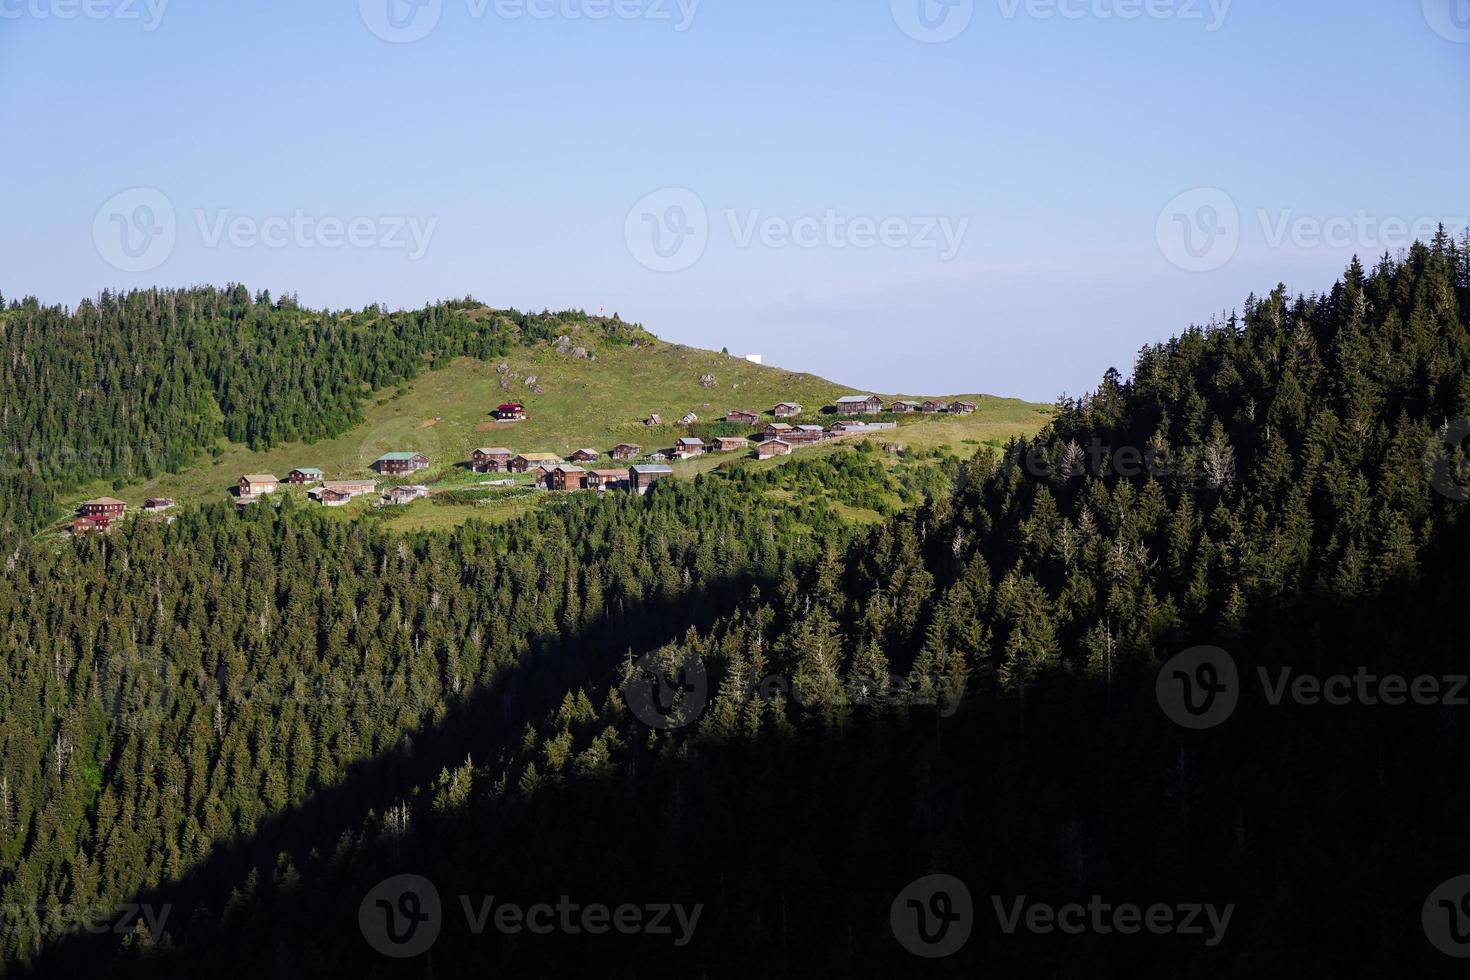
{"points": [[596, 404]]}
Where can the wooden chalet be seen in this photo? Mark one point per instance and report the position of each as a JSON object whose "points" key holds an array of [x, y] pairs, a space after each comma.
{"points": [[726, 444], [689, 446], [565, 477], [490, 459], [903, 405], [526, 462], [772, 447], [254, 484], [933, 406], [393, 464], [83, 525], [103, 509], [585, 456], [155, 504], [332, 498], [335, 493], [305, 474], [640, 478], [805, 433], [406, 494], [604, 479], [743, 418], [512, 412], [963, 408], [786, 410], [859, 405], [626, 450], [776, 430]]}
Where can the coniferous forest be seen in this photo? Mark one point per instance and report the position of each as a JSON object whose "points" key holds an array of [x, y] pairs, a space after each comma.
{"points": [[226, 731]]}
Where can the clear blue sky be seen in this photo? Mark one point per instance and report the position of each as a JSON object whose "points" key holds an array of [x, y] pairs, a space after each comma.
{"points": [[519, 146]]}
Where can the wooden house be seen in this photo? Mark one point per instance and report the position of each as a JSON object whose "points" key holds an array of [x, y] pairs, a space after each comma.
{"points": [[154, 505], [332, 498], [726, 444], [512, 412], [406, 494], [772, 447], [103, 509], [626, 450], [490, 459], [743, 418], [604, 479], [345, 489], [394, 464], [526, 462], [585, 456], [255, 484], [304, 474], [933, 406], [640, 478], [903, 405], [565, 477], [786, 410], [962, 408], [859, 405], [805, 433], [83, 525], [776, 430], [688, 446]]}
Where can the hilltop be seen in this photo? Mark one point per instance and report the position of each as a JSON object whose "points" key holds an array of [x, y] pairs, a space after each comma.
{"points": [[585, 381]]}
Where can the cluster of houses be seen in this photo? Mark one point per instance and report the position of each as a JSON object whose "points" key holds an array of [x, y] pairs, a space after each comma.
{"points": [[777, 438]]}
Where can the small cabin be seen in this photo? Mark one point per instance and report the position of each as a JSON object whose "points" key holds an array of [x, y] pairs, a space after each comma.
{"points": [[565, 477], [585, 456], [725, 444], [640, 478], [786, 410], [254, 484], [526, 462], [654, 419], [332, 498], [490, 459], [772, 447], [406, 495], [743, 418], [776, 430], [304, 475], [932, 407], [83, 525], [154, 505], [859, 405], [626, 450], [903, 406], [512, 412], [604, 479], [963, 408], [394, 464], [805, 433], [689, 446]]}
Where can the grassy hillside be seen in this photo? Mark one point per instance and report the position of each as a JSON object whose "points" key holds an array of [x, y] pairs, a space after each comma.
{"points": [[596, 404]]}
